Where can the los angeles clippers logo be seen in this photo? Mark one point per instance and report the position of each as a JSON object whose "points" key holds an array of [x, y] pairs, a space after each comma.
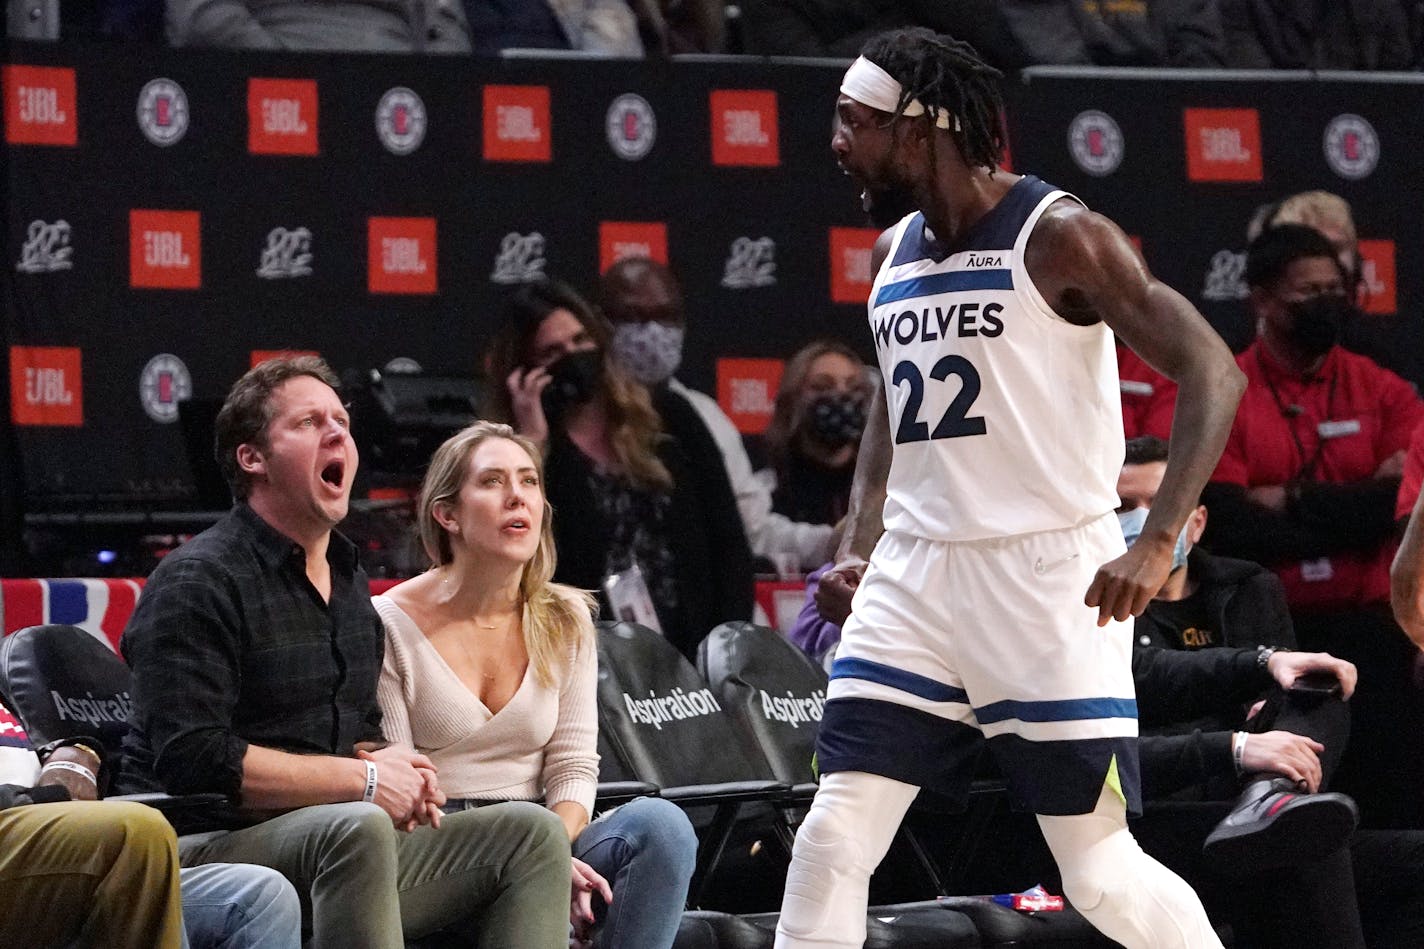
{"points": [[631, 127], [163, 112], [287, 254], [1225, 280], [164, 382], [1352, 149], [520, 258], [751, 263], [400, 121], [46, 248]]}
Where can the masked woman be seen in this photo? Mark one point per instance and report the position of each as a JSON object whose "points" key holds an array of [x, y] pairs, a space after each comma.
{"points": [[638, 509], [490, 669], [815, 431]]}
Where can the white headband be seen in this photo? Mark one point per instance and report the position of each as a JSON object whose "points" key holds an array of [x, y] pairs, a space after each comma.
{"points": [[870, 85]]}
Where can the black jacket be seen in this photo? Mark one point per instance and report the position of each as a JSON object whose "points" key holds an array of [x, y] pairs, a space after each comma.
{"points": [[703, 528], [1246, 600]]}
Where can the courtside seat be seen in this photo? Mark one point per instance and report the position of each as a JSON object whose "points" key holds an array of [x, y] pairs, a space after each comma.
{"points": [[661, 724], [63, 682], [922, 925]]}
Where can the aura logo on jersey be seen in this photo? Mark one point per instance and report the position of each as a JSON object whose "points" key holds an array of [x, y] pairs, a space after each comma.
{"points": [[164, 382], [1095, 142], [750, 263], [46, 248], [520, 258], [163, 112], [1352, 149]]}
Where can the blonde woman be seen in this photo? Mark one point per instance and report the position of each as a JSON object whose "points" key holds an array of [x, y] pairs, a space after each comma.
{"points": [[490, 670]]}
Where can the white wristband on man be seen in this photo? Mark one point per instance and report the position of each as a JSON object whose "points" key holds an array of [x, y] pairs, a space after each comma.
{"points": [[72, 766], [369, 796]]}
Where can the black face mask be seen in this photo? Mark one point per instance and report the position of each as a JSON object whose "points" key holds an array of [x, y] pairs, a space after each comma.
{"points": [[836, 420], [573, 380], [1316, 322]]}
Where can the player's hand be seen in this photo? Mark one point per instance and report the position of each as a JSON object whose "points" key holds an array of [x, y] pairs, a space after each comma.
{"points": [[1285, 667], [1285, 753], [526, 390], [79, 786], [1123, 587], [836, 588]]}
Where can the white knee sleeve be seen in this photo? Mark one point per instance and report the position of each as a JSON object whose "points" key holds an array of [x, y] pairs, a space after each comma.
{"points": [[852, 821], [1123, 892]]}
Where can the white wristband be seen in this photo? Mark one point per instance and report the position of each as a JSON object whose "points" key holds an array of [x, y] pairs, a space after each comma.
{"points": [[370, 793], [1238, 751], [71, 766]]}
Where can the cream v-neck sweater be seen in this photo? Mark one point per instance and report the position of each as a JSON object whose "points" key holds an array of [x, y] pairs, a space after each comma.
{"points": [[540, 744]]}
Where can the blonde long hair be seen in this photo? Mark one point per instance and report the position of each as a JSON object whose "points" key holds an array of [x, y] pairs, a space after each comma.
{"points": [[634, 426], [556, 616]]}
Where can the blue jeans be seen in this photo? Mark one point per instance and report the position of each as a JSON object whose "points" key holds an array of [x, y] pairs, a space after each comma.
{"points": [[646, 850], [239, 906]]}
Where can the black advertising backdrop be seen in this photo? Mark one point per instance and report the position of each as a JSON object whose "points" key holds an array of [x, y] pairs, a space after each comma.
{"points": [[751, 242]]}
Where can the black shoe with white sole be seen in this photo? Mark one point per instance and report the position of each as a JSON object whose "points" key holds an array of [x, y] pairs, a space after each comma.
{"points": [[1275, 825]]}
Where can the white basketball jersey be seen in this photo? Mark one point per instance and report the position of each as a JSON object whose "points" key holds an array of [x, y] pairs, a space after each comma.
{"points": [[1005, 417]]}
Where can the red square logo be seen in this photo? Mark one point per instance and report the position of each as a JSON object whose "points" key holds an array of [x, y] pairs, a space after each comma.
{"points": [[165, 250], [1377, 273], [619, 239], [39, 105], [744, 129], [260, 356], [746, 391], [281, 116], [401, 255], [46, 387], [1223, 144], [851, 253], [516, 123]]}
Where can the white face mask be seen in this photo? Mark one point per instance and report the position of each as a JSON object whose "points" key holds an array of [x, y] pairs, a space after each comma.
{"points": [[650, 352]]}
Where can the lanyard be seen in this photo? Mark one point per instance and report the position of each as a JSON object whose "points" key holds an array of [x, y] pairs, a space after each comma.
{"points": [[1291, 412]]}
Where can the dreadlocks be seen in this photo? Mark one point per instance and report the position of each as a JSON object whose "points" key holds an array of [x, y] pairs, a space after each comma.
{"points": [[946, 73]]}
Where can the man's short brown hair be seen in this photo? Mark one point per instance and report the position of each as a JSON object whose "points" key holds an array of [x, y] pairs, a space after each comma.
{"points": [[246, 411]]}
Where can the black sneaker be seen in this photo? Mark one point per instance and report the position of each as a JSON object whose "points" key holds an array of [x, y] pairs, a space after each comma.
{"points": [[1275, 825]]}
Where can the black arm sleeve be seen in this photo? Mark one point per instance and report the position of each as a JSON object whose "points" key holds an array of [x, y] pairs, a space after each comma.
{"points": [[1177, 686]]}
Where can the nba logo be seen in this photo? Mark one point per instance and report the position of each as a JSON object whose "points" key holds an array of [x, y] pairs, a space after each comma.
{"points": [[165, 387], [162, 111], [1352, 146], [401, 120], [1095, 142]]}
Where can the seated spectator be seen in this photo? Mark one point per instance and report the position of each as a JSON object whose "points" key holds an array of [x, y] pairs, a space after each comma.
{"points": [[841, 27], [1291, 34], [1184, 33], [491, 670], [1307, 486], [1209, 644], [107, 874], [606, 27], [643, 505], [371, 26], [815, 431], [643, 301], [256, 653]]}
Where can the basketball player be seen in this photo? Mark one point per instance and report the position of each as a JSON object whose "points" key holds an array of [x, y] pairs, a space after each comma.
{"points": [[999, 600]]}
